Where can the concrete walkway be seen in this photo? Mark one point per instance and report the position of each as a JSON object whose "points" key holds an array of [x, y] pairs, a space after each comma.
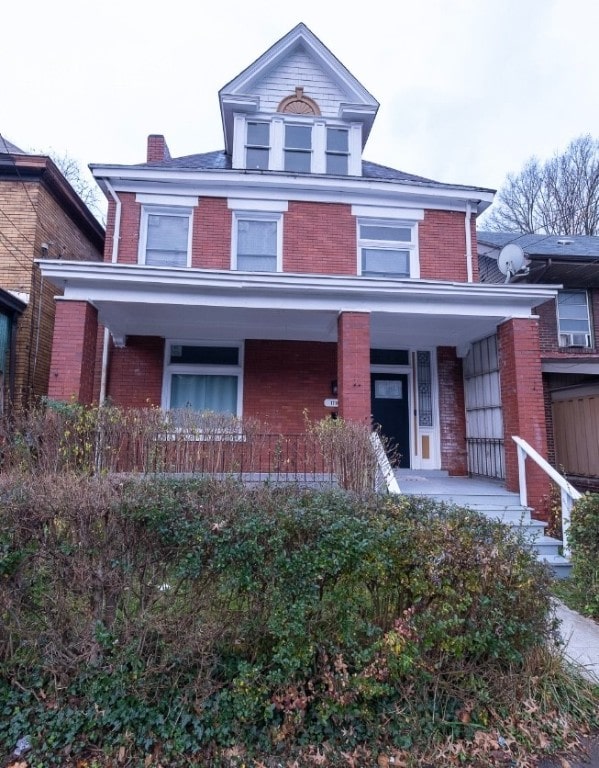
{"points": [[581, 640]]}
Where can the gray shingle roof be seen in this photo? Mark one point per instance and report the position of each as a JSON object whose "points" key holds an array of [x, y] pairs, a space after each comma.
{"points": [[219, 160], [8, 148], [564, 247]]}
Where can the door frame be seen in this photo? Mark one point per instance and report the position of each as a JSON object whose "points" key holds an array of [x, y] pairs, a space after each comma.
{"points": [[416, 433], [405, 370]]}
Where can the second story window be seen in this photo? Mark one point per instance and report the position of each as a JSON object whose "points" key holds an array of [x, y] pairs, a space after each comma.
{"points": [[573, 319], [337, 152], [298, 148], [257, 150], [165, 236], [256, 243], [385, 249]]}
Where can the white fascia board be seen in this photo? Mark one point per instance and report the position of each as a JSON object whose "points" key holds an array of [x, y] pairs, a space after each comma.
{"points": [[310, 188], [93, 281]]}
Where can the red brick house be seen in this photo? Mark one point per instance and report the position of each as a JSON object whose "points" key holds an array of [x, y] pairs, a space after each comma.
{"points": [[285, 274]]}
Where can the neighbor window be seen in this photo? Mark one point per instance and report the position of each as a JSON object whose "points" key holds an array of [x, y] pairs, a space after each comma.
{"points": [[385, 249], [256, 243], [574, 324], [165, 237], [203, 378], [298, 148]]}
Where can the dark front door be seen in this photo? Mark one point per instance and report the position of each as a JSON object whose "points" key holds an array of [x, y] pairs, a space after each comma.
{"points": [[390, 411]]}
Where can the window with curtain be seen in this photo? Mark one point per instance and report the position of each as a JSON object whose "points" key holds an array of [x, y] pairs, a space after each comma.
{"points": [[166, 237], [203, 377], [257, 244]]}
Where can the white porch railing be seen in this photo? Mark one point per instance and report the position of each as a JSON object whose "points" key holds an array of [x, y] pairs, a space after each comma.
{"points": [[385, 470], [569, 494]]}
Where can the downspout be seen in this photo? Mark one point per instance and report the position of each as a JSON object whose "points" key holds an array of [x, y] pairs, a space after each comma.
{"points": [[469, 242], [115, 254]]}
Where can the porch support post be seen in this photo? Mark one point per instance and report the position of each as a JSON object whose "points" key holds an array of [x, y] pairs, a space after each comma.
{"points": [[523, 406], [73, 352], [353, 366]]}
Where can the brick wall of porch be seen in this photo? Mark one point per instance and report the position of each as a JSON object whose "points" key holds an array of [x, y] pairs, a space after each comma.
{"points": [[73, 352], [523, 406]]}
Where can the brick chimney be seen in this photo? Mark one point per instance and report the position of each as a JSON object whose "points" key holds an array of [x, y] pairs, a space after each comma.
{"points": [[157, 149]]}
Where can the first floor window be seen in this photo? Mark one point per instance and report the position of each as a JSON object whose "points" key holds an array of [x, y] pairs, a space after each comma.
{"points": [[256, 244], [203, 378], [385, 249], [165, 237], [574, 324]]}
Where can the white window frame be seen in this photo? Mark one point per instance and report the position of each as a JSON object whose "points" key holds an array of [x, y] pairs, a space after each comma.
{"points": [[271, 216], [201, 369], [163, 210], [247, 145], [567, 338], [410, 246], [277, 147]]}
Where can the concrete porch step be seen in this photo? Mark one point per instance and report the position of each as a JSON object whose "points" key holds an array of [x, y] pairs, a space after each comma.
{"points": [[488, 497]]}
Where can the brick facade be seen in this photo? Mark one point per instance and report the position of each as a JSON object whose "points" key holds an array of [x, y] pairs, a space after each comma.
{"points": [[442, 247], [135, 372], [452, 413], [523, 405], [353, 366], [549, 336], [320, 238], [286, 382]]}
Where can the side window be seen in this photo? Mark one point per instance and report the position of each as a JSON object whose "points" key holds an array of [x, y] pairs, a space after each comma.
{"points": [[165, 237], [573, 319], [385, 248], [203, 377], [257, 148], [257, 243]]}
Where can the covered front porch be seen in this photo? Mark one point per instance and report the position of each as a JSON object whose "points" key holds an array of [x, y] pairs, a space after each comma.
{"points": [[306, 346]]}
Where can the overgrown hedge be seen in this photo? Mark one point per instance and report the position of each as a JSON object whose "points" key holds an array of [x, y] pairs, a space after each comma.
{"points": [[179, 621], [584, 541]]}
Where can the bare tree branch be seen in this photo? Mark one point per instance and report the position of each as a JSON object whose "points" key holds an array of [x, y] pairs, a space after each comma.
{"points": [[558, 197]]}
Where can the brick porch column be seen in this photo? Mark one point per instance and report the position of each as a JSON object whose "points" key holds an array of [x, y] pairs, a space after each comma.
{"points": [[523, 406], [353, 366], [73, 352]]}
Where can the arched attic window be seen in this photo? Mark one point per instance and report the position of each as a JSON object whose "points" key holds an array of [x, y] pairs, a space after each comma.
{"points": [[299, 104]]}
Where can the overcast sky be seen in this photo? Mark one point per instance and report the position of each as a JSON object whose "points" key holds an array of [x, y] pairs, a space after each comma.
{"points": [[469, 89]]}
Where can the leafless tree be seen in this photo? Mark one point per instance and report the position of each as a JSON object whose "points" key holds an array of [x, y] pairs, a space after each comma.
{"points": [[82, 182], [557, 197]]}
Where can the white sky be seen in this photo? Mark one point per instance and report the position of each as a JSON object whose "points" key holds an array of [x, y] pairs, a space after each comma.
{"points": [[469, 89]]}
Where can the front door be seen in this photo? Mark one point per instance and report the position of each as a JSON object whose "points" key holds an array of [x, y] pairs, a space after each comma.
{"points": [[390, 410]]}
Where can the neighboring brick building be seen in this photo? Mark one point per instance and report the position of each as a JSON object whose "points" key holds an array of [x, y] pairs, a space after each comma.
{"points": [[286, 275], [569, 339], [40, 215]]}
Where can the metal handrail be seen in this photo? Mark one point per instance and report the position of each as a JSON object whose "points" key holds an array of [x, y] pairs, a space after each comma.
{"points": [[384, 465], [569, 494]]}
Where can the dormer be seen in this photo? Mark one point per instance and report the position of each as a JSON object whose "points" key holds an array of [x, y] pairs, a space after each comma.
{"points": [[297, 109]]}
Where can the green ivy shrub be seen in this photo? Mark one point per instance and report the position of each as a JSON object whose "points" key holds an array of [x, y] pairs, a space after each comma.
{"points": [[584, 542], [170, 616]]}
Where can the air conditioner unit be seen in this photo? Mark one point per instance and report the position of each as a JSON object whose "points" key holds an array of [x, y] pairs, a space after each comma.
{"points": [[575, 340]]}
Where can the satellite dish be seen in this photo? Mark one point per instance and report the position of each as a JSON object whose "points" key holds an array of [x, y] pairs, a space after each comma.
{"points": [[511, 260]]}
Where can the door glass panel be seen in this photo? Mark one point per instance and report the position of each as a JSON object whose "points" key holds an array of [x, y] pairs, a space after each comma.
{"points": [[385, 389]]}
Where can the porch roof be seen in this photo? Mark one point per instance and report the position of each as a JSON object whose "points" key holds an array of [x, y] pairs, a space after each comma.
{"points": [[199, 303]]}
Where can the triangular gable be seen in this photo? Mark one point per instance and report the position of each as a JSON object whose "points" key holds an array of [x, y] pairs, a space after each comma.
{"points": [[298, 60]]}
